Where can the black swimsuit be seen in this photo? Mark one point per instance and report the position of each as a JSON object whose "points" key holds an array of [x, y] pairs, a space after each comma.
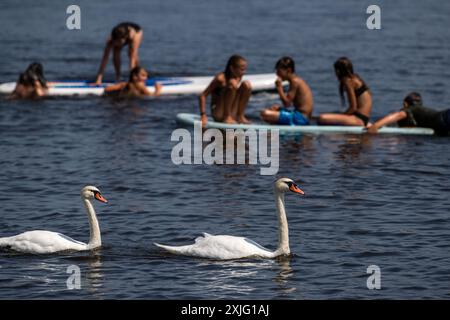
{"points": [[127, 25], [135, 26], [361, 90], [359, 115]]}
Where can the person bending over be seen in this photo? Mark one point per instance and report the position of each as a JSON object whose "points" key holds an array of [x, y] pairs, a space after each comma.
{"points": [[126, 33]]}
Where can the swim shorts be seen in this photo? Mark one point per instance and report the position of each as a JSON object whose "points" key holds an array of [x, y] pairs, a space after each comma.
{"points": [[292, 118]]}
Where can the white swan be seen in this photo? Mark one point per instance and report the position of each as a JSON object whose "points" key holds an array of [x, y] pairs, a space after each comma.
{"points": [[41, 241], [223, 247]]}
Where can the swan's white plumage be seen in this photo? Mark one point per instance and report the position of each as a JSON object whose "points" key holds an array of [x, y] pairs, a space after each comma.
{"points": [[224, 247], [42, 241], [220, 247]]}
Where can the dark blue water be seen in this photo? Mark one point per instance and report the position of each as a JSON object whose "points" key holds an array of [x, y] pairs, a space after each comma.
{"points": [[377, 200]]}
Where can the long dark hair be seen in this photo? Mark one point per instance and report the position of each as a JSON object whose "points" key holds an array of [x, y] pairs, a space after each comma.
{"points": [[344, 69], [135, 71], [233, 61], [34, 72]]}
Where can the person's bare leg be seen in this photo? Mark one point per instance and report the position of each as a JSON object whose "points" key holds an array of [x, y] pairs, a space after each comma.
{"points": [[339, 119], [244, 93], [270, 116], [230, 93], [217, 112], [217, 115]]}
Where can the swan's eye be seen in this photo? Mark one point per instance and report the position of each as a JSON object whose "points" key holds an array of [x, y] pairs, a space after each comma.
{"points": [[96, 194], [289, 183]]}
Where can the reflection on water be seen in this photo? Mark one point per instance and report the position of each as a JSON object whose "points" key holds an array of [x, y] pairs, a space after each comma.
{"points": [[350, 149], [298, 150], [243, 277], [95, 275], [91, 271], [128, 110], [238, 276], [284, 275]]}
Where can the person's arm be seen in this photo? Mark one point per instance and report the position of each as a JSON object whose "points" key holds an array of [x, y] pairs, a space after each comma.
{"points": [[105, 57], [286, 99], [144, 91], [142, 88], [116, 60], [158, 87], [202, 100], [40, 91], [133, 49], [353, 105], [390, 118], [115, 87]]}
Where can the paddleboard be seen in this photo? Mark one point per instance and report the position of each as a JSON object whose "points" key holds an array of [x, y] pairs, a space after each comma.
{"points": [[170, 85], [189, 119]]}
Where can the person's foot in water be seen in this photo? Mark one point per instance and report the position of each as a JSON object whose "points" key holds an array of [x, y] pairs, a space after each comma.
{"points": [[244, 120], [229, 120]]}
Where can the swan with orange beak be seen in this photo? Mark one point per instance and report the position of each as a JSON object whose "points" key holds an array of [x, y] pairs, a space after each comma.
{"points": [[224, 247], [44, 242]]}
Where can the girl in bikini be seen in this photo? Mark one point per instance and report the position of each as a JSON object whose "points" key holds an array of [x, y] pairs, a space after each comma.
{"points": [[135, 87], [229, 94], [126, 33], [358, 94]]}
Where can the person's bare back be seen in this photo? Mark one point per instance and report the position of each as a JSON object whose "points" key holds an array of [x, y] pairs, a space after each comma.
{"points": [[303, 98]]}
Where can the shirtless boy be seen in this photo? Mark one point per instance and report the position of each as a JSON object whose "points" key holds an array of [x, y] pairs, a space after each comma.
{"points": [[299, 95]]}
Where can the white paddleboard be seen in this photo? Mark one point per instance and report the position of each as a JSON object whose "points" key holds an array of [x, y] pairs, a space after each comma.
{"points": [[170, 85], [189, 119]]}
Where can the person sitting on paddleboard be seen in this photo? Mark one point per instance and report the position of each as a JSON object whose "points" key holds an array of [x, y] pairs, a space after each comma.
{"points": [[358, 94], [229, 94], [126, 33], [299, 94], [135, 87], [414, 114], [31, 83]]}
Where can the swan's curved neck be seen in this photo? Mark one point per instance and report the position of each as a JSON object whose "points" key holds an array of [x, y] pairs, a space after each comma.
{"points": [[95, 237], [283, 230]]}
